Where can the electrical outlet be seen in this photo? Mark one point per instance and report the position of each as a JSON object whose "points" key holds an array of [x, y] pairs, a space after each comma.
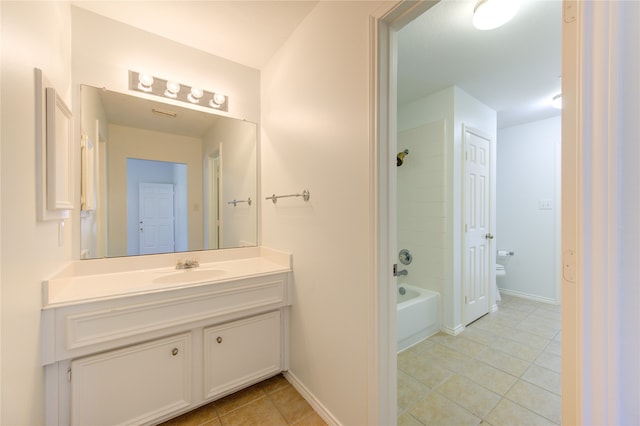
{"points": [[544, 204]]}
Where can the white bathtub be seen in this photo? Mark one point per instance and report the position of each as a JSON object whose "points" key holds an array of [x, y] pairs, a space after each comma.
{"points": [[418, 315]]}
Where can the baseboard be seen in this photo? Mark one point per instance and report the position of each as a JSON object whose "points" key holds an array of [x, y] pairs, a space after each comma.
{"points": [[528, 296], [494, 308], [311, 399], [454, 331]]}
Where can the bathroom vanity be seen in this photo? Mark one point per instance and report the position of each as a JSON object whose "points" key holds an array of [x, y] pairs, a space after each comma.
{"points": [[135, 341]]}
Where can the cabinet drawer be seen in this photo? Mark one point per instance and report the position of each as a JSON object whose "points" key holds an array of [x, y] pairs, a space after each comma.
{"points": [[92, 329], [132, 385], [241, 352]]}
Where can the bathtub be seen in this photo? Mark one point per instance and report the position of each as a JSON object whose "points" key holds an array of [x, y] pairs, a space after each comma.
{"points": [[418, 315]]}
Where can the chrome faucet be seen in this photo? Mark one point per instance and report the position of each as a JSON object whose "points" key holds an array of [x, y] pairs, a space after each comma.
{"points": [[187, 264], [399, 272]]}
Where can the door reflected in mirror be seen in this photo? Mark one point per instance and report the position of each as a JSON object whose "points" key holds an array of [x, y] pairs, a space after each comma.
{"points": [[160, 178]]}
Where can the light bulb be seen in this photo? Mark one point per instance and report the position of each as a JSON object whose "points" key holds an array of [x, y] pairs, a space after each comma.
{"points": [[172, 89], [195, 95], [145, 81], [490, 14], [217, 100]]}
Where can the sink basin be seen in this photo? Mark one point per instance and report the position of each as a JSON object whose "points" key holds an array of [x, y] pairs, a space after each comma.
{"points": [[189, 276]]}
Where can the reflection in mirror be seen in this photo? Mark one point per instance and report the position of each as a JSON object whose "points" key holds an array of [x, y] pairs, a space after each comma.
{"points": [[159, 178]]}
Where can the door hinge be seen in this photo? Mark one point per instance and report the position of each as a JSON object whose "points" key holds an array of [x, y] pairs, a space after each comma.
{"points": [[69, 375]]}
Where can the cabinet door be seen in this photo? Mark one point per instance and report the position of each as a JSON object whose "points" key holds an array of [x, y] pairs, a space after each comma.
{"points": [[241, 352], [132, 385]]}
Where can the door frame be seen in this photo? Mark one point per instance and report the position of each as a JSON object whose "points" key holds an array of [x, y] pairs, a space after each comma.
{"points": [[383, 118]]}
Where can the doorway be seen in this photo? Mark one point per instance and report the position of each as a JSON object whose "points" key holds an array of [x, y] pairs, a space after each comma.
{"points": [[395, 21]]}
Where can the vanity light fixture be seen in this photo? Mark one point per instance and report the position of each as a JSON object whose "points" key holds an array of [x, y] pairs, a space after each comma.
{"points": [[146, 83], [490, 14], [556, 102]]}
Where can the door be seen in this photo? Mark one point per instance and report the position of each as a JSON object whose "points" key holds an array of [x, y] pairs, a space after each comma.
{"points": [[156, 218], [477, 259]]}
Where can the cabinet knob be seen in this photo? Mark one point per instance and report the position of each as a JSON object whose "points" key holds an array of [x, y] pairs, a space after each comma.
{"points": [[219, 339], [174, 351]]}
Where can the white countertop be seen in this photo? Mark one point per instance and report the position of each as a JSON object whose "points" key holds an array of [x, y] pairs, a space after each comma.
{"points": [[84, 282]]}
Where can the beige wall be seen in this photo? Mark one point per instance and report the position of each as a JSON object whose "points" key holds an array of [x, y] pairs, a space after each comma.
{"points": [[315, 135], [128, 142], [34, 34]]}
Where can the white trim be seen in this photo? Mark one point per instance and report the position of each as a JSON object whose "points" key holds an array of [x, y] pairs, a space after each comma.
{"points": [[318, 406], [455, 330], [528, 296], [382, 297]]}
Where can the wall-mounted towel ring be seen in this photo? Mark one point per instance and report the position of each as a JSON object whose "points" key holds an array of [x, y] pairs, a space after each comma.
{"points": [[305, 196]]}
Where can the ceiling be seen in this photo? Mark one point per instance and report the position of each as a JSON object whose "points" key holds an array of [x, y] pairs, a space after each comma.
{"points": [[514, 69]]}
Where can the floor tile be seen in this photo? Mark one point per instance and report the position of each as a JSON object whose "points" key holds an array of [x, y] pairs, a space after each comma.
{"points": [[503, 361], [410, 391], [549, 361], [312, 419], [517, 349], [291, 404], [435, 409], [425, 368], [407, 419], [504, 369], [488, 376], [239, 399], [536, 399], [509, 413], [259, 412], [544, 378], [475, 398]]}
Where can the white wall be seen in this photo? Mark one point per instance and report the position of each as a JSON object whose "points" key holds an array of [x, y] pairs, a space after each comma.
{"points": [[34, 34], [528, 171], [158, 146], [237, 141], [315, 135], [422, 212], [455, 107]]}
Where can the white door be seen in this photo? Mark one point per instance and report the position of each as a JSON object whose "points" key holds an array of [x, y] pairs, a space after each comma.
{"points": [[156, 218], [477, 259]]}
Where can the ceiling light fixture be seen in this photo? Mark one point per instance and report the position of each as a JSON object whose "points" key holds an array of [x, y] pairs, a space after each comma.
{"points": [[556, 102], [146, 83], [490, 14]]}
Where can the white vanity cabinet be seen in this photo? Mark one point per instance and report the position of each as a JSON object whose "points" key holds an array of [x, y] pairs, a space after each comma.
{"points": [[133, 385], [144, 357], [241, 352]]}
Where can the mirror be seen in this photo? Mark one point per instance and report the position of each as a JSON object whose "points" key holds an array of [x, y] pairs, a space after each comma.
{"points": [[159, 178]]}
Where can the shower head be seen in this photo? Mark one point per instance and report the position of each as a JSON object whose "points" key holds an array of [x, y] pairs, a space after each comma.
{"points": [[400, 158]]}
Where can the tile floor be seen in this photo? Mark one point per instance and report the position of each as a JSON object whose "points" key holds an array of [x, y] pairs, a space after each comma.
{"points": [[273, 402], [504, 369]]}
